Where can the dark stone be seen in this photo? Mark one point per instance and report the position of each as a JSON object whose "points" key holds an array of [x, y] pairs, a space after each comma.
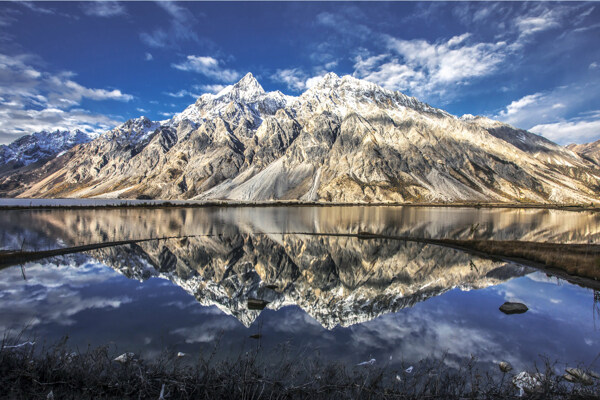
{"points": [[257, 304], [513, 308]]}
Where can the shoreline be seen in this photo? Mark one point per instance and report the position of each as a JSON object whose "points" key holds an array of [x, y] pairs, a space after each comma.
{"points": [[153, 204]]}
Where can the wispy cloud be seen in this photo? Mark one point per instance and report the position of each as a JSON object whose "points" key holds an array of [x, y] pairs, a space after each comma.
{"points": [[209, 88], [148, 57], [36, 7], [180, 28], [296, 79], [207, 66], [423, 67], [554, 114], [182, 93], [33, 100], [572, 131], [103, 9]]}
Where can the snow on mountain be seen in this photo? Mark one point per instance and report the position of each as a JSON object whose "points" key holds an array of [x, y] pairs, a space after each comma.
{"points": [[343, 140], [247, 97], [41, 146], [326, 277]]}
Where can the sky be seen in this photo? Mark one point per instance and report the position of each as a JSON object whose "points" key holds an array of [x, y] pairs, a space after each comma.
{"points": [[93, 65]]}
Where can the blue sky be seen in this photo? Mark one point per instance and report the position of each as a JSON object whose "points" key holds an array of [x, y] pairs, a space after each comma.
{"points": [[92, 65]]}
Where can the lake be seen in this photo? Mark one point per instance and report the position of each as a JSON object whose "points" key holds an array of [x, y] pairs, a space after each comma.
{"points": [[348, 299]]}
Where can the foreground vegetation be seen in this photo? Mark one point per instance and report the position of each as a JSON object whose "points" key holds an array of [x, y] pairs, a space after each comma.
{"points": [[57, 373]]}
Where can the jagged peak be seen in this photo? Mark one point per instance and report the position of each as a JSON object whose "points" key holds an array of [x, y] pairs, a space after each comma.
{"points": [[328, 80], [249, 81], [246, 89]]}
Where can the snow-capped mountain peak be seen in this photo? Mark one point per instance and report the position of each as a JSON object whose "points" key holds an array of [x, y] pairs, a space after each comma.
{"points": [[40, 146], [247, 93]]}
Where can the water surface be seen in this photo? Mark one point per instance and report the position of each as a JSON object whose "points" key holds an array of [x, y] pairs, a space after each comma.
{"points": [[348, 299]]}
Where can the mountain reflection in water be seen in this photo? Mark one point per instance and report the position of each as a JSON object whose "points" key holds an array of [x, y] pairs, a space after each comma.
{"points": [[350, 298], [43, 229], [336, 280]]}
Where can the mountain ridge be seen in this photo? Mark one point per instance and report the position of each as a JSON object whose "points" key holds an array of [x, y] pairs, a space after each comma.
{"points": [[342, 140]]}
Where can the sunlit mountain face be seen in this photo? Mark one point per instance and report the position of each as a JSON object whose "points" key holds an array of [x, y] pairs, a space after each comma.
{"points": [[348, 298]]}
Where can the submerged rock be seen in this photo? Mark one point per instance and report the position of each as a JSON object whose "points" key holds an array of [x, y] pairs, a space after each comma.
{"points": [[505, 366], [513, 308], [257, 304]]}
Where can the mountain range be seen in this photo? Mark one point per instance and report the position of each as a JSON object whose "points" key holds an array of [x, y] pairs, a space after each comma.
{"points": [[343, 140], [338, 281]]}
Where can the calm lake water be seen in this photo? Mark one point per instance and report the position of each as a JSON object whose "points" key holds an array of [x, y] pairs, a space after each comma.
{"points": [[347, 299]]}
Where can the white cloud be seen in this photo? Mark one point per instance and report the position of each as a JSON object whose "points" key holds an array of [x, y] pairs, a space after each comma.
{"points": [[103, 8], [594, 65], [142, 110], [542, 17], [549, 107], [52, 291], [148, 57], [391, 75], [293, 78], [34, 100], [296, 79], [36, 7], [450, 61], [330, 65], [209, 330], [209, 88], [182, 93], [207, 66], [529, 25], [573, 131], [551, 114], [425, 68], [514, 109]]}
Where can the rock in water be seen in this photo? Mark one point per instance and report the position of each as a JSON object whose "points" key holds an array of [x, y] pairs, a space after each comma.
{"points": [[505, 367], [125, 358], [257, 304], [513, 308]]}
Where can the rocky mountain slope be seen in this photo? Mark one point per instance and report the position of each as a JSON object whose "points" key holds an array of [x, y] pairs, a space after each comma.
{"points": [[344, 140], [589, 151], [39, 147]]}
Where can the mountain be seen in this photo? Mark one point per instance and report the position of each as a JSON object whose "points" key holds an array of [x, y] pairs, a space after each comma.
{"points": [[343, 140], [39, 147], [589, 151], [337, 281]]}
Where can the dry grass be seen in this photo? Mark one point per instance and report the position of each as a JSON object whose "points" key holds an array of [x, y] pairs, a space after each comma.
{"points": [[27, 373], [576, 259]]}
